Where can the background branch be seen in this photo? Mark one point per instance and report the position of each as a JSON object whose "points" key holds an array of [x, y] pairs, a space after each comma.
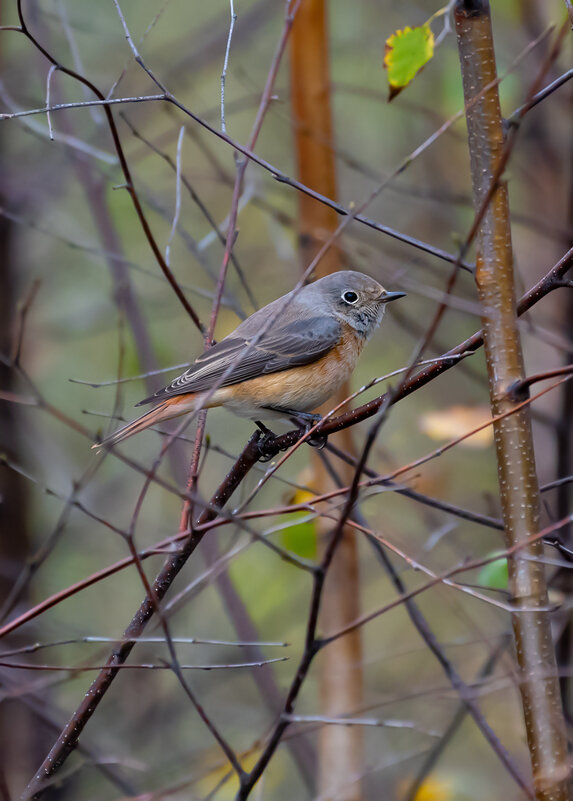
{"points": [[408, 601]]}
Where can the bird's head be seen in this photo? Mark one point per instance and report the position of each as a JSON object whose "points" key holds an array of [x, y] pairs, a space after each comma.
{"points": [[354, 298]]}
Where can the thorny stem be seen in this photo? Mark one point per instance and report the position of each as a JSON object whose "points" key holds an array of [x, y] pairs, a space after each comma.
{"points": [[517, 476]]}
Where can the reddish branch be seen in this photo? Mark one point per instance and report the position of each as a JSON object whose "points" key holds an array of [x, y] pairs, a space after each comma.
{"points": [[68, 739], [466, 695], [551, 281], [69, 736], [66, 742], [129, 185]]}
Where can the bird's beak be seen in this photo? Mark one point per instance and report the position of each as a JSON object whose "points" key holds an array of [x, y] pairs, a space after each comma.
{"points": [[386, 297]]}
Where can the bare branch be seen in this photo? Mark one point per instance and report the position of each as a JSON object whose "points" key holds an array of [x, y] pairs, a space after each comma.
{"points": [[225, 65]]}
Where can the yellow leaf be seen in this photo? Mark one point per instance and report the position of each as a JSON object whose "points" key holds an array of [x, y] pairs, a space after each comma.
{"points": [[221, 775], [431, 790], [455, 421], [302, 496], [434, 790], [300, 534]]}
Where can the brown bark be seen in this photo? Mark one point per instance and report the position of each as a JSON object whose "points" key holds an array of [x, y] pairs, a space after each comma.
{"points": [[518, 485], [564, 467], [21, 740], [341, 692], [18, 743]]}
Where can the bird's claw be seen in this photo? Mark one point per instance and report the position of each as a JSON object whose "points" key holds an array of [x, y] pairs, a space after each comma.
{"points": [[267, 448], [308, 421]]}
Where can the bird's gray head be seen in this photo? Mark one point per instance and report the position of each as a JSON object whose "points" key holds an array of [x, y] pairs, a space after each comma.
{"points": [[353, 298]]}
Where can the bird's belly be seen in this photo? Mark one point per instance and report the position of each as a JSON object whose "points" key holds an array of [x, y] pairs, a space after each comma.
{"points": [[287, 394], [300, 389]]}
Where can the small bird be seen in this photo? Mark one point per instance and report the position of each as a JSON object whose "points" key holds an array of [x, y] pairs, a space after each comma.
{"points": [[281, 362]]}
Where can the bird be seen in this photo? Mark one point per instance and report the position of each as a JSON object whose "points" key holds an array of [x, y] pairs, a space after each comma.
{"points": [[283, 361]]}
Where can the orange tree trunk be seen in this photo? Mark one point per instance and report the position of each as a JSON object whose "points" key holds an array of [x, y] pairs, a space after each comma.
{"points": [[340, 748]]}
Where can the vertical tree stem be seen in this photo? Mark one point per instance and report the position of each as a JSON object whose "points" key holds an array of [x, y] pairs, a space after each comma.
{"points": [[340, 748], [518, 485]]}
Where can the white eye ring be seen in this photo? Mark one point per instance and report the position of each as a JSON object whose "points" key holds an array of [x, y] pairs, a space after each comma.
{"points": [[349, 296]]}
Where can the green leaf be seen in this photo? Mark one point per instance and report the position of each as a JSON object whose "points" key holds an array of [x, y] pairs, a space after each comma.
{"points": [[405, 53], [494, 575], [300, 537]]}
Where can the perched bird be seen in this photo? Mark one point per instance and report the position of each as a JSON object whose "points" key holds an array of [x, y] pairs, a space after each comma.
{"points": [[283, 361]]}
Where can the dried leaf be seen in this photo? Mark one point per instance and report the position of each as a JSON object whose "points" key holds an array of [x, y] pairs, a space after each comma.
{"points": [[455, 421]]}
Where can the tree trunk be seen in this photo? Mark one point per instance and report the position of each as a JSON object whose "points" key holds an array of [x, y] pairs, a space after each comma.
{"points": [[518, 485], [340, 748]]}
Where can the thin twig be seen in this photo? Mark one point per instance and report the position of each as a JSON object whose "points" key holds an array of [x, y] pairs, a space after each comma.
{"points": [[51, 71], [277, 174], [122, 160], [138, 666], [235, 476], [177, 196], [225, 65]]}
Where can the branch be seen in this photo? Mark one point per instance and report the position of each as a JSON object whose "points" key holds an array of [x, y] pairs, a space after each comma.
{"points": [[68, 738], [422, 626], [123, 162], [550, 282], [277, 174], [240, 469]]}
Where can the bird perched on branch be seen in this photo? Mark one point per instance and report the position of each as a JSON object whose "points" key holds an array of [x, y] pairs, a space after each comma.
{"points": [[283, 361]]}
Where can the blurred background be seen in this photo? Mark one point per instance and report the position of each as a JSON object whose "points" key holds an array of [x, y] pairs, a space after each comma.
{"points": [[83, 302]]}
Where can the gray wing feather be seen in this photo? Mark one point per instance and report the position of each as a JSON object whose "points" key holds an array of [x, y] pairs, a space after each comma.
{"points": [[295, 344]]}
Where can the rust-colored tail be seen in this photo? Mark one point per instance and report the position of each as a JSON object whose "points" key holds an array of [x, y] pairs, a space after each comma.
{"points": [[173, 407]]}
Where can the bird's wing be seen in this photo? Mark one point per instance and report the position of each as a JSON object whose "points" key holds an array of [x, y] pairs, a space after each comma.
{"points": [[291, 345]]}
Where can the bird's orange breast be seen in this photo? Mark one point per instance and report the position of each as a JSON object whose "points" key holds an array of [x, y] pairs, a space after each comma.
{"points": [[298, 388]]}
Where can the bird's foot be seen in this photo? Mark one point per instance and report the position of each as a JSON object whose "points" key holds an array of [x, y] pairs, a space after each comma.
{"points": [[305, 421], [267, 448]]}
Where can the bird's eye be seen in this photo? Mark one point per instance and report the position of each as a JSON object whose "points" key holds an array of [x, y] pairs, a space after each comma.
{"points": [[349, 296]]}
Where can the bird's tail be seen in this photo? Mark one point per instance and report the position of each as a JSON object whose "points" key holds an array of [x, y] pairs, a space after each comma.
{"points": [[172, 407]]}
